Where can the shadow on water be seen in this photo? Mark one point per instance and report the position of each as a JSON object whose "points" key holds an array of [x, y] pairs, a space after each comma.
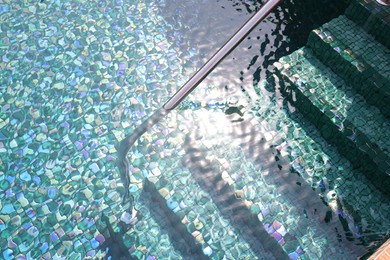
{"points": [[302, 16], [293, 21], [114, 246], [171, 223], [208, 176]]}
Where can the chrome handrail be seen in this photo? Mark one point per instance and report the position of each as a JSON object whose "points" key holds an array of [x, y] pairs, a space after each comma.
{"points": [[225, 50], [125, 145]]}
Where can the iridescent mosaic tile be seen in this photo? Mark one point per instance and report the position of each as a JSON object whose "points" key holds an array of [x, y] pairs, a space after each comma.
{"points": [[71, 81]]}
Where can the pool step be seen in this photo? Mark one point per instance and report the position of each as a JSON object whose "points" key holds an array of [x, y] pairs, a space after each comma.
{"points": [[195, 214], [360, 132], [373, 17], [356, 57]]}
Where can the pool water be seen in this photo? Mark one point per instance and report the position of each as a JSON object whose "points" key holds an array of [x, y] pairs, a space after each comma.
{"points": [[78, 76]]}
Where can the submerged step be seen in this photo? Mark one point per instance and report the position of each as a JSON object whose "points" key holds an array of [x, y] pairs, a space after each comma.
{"points": [[373, 17], [360, 132], [193, 208], [356, 57]]}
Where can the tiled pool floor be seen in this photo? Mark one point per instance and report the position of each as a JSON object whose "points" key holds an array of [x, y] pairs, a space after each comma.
{"points": [[73, 83]]}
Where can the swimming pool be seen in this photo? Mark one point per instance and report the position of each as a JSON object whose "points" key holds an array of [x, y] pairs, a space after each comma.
{"points": [[78, 76]]}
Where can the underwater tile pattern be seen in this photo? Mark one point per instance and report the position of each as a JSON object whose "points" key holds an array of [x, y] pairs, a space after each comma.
{"points": [[346, 190], [336, 108], [321, 166], [357, 205], [264, 200], [72, 83], [270, 206], [181, 192], [248, 184], [153, 241], [334, 179], [237, 178]]}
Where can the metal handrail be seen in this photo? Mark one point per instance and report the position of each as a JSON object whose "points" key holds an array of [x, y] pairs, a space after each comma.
{"points": [[125, 145], [225, 50]]}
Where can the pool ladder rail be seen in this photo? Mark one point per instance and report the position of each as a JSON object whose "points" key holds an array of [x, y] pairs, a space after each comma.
{"points": [[125, 145], [224, 51]]}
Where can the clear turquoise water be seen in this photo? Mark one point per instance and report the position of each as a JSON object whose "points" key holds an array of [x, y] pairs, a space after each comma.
{"points": [[78, 76]]}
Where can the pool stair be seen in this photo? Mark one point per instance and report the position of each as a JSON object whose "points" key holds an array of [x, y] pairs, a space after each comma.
{"points": [[356, 57], [341, 83], [360, 132]]}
